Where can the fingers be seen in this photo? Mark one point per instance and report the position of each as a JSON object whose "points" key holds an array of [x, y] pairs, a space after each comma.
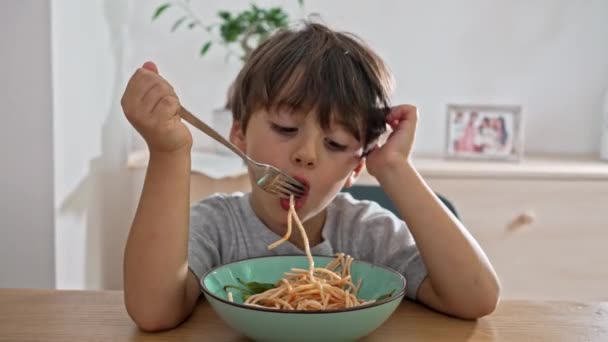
{"points": [[150, 66], [370, 150], [166, 107], [402, 113], [145, 90], [141, 81], [139, 84], [155, 94]]}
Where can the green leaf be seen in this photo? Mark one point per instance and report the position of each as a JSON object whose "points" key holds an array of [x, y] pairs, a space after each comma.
{"points": [[205, 48], [245, 293], [231, 30], [238, 288], [256, 287], [224, 15], [260, 287], [250, 288], [276, 17], [274, 12], [178, 23], [386, 295], [160, 10], [301, 2]]}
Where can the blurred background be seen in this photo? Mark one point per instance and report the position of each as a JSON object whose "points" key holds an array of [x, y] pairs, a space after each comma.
{"points": [[72, 166]]}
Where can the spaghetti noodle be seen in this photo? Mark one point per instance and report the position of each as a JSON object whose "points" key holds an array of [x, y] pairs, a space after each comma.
{"points": [[316, 288]]}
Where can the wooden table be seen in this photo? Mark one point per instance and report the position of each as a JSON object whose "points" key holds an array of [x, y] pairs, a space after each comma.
{"points": [[51, 315]]}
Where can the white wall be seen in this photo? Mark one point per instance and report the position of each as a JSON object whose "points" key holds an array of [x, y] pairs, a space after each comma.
{"points": [[551, 56], [26, 146], [92, 186]]}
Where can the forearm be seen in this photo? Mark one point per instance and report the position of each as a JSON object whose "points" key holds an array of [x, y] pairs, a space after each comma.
{"points": [[458, 269], [156, 254]]}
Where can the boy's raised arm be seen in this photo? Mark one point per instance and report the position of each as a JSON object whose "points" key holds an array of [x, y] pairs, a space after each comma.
{"points": [[160, 291], [461, 280]]}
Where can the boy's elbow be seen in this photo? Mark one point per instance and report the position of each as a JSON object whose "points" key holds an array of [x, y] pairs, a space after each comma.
{"points": [[489, 298], [482, 302], [153, 324], [153, 320], [485, 305], [482, 309]]}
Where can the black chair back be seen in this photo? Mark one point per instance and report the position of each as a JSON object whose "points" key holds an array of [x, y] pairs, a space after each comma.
{"points": [[375, 193]]}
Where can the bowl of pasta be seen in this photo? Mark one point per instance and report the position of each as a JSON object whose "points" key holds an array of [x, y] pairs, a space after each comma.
{"points": [[303, 298]]}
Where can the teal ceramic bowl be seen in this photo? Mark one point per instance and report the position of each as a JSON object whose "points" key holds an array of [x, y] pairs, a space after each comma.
{"points": [[263, 324]]}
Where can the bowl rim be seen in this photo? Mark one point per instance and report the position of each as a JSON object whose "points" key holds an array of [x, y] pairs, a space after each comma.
{"points": [[399, 295]]}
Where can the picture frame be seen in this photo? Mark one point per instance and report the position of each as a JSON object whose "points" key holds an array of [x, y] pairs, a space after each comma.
{"points": [[484, 132]]}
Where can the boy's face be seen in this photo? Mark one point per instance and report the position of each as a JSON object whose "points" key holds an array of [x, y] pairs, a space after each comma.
{"points": [[324, 160]]}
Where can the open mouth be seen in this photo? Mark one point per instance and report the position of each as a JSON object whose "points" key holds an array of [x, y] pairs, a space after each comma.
{"points": [[298, 201]]}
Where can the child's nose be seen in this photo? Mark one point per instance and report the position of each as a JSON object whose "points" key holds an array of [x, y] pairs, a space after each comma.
{"points": [[305, 156], [307, 162]]}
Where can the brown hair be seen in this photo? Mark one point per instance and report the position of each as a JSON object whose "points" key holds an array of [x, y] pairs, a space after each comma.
{"points": [[316, 68]]}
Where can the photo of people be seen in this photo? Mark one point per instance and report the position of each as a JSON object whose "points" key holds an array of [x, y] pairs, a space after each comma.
{"points": [[483, 132]]}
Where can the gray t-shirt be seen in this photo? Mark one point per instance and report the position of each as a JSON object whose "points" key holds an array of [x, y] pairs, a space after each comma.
{"points": [[224, 228]]}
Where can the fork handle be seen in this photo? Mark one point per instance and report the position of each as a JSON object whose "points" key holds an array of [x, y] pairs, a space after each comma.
{"points": [[196, 122]]}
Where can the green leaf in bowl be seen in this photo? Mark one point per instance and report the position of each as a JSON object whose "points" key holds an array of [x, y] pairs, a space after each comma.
{"points": [[250, 288], [386, 295]]}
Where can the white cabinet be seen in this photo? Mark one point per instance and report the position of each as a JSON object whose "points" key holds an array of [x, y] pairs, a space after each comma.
{"points": [[563, 252]]}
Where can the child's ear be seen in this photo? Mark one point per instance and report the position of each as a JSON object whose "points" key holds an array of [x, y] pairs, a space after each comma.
{"points": [[355, 173], [237, 136]]}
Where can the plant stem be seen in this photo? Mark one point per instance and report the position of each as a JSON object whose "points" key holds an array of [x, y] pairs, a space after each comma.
{"points": [[185, 5]]}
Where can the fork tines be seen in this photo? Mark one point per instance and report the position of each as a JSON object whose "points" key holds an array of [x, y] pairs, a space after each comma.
{"points": [[281, 185]]}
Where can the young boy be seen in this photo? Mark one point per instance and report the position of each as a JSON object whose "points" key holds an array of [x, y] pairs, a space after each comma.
{"points": [[310, 102]]}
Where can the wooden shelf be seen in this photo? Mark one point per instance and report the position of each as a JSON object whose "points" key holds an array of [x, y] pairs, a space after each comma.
{"points": [[532, 167]]}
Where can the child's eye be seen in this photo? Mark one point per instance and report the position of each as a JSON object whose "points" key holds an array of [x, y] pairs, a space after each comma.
{"points": [[284, 130], [334, 146]]}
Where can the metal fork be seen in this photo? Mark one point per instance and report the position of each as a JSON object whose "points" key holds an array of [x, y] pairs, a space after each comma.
{"points": [[267, 177]]}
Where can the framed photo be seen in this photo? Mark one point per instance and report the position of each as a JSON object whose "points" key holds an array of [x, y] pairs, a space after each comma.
{"points": [[484, 132]]}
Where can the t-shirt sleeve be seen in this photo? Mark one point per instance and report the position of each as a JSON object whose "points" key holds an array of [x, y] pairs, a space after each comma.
{"points": [[385, 239], [401, 253], [204, 241]]}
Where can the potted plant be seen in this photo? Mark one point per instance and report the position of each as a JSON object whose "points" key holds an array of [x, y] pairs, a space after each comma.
{"points": [[239, 32], [244, 29]]}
